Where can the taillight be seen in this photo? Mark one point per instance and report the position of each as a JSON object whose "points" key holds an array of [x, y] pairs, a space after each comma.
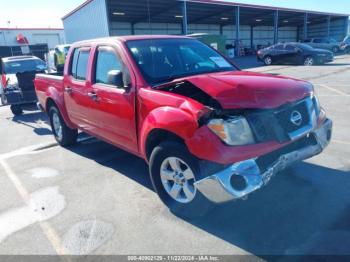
{"points": [[3, 81]]}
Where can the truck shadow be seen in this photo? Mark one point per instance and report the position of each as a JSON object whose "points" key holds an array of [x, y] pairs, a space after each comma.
{"points": [[36, 120], [305, 209]]}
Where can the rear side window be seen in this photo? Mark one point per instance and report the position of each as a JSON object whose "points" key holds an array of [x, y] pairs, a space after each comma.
{"points": [[106, 62], [290, 48], [74, 63], [318, 41], [80, 64], [279, 47]]}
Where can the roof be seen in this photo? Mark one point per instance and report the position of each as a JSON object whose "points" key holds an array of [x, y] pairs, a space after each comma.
{"points": [[227, 3], [16, 58], [33, 28], [220, 2], [77, 9], [130, 38]]}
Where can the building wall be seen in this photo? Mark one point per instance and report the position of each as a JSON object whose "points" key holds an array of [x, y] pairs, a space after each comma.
{"points": [[263, 35], [91, 21], [35, 36], [337, 30], [87, 23]]}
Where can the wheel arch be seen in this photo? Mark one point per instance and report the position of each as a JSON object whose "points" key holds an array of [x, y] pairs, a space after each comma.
{"points": [[158, 136], [165, 123], [51, 102]]}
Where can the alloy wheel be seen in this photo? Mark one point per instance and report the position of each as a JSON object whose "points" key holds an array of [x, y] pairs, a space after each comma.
{"points": [[268, 60], [178, 180], [309, 61], [57, 125]]}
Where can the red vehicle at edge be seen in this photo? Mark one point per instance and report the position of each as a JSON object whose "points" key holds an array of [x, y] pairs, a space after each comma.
{"points": [[208, 130]]}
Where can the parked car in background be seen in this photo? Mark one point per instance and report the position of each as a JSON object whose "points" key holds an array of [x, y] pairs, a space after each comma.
{"points": [[208, 130], [345, 45], [17, 75], [323, 43], [294, 53]]}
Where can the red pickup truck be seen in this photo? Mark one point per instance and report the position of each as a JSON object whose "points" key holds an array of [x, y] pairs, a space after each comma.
{"points": [[207, 130]]}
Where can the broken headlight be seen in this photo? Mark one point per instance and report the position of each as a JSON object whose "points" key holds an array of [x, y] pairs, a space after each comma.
{"points": [[234, 131]]}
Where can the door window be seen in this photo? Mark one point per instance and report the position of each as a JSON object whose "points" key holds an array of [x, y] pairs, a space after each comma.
{"points": [[291, 48], [106, 62], [80, 64], [279, 47]]}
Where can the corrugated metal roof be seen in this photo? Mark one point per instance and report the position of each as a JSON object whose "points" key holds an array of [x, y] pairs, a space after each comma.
{"points": [[226, 3]]}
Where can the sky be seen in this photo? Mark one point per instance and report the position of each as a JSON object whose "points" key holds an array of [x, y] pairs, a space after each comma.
{"points": [[48, 13]]}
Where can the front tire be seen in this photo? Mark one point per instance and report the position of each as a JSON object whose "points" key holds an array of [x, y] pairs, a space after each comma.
{"points": [[173, 172], [62, 133], [16, 110], [309, 61]]}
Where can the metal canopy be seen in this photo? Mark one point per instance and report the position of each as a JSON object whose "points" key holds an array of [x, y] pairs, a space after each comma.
{"points": [[202, 12]]}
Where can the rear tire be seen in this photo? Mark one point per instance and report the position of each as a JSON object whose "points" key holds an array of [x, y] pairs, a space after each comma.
{"points": [[64, 135], [16, 110], [175, 187], [309, 61], [268, 60]]}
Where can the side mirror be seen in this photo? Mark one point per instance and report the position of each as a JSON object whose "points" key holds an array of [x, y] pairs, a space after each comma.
{"points": [[115, 78]]}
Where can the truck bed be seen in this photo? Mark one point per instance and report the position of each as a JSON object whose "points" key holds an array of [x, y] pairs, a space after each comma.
{"points": [[44, 82]]}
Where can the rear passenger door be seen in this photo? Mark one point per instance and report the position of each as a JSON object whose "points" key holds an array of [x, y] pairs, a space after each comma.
{"points": [[291, 54], [317, 43], [76, 89], [113, 110], [279, 53]]}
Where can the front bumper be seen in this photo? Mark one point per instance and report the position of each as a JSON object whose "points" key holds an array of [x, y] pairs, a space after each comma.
{"points": [[241, 179]]}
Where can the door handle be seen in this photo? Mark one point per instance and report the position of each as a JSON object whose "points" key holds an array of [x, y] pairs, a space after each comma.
{"points": [[68, 90], [93, 96]]}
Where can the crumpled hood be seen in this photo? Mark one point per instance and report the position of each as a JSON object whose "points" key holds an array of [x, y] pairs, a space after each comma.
{"points": [[248, 90]]}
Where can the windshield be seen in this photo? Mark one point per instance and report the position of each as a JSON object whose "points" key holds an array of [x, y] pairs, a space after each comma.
{"points": [[162, 60], [20, 66]]}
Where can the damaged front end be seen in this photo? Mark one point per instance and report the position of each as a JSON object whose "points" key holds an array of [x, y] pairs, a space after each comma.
{"points": [[260, 142], [241, 179], [296, 126]]}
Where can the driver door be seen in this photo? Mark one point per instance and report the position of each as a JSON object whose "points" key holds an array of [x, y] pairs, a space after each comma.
{"points": [[113, 109]]}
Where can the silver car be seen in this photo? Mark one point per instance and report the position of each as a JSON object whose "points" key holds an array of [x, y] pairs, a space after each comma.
{"points": [[323, 43]]}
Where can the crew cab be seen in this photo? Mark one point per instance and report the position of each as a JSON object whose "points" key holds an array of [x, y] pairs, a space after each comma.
{"points": [[209, 132]]}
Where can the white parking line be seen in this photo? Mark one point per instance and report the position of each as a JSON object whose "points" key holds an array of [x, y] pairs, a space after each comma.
{"points": [[340, 142], [48, 230], [334, 90]]}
